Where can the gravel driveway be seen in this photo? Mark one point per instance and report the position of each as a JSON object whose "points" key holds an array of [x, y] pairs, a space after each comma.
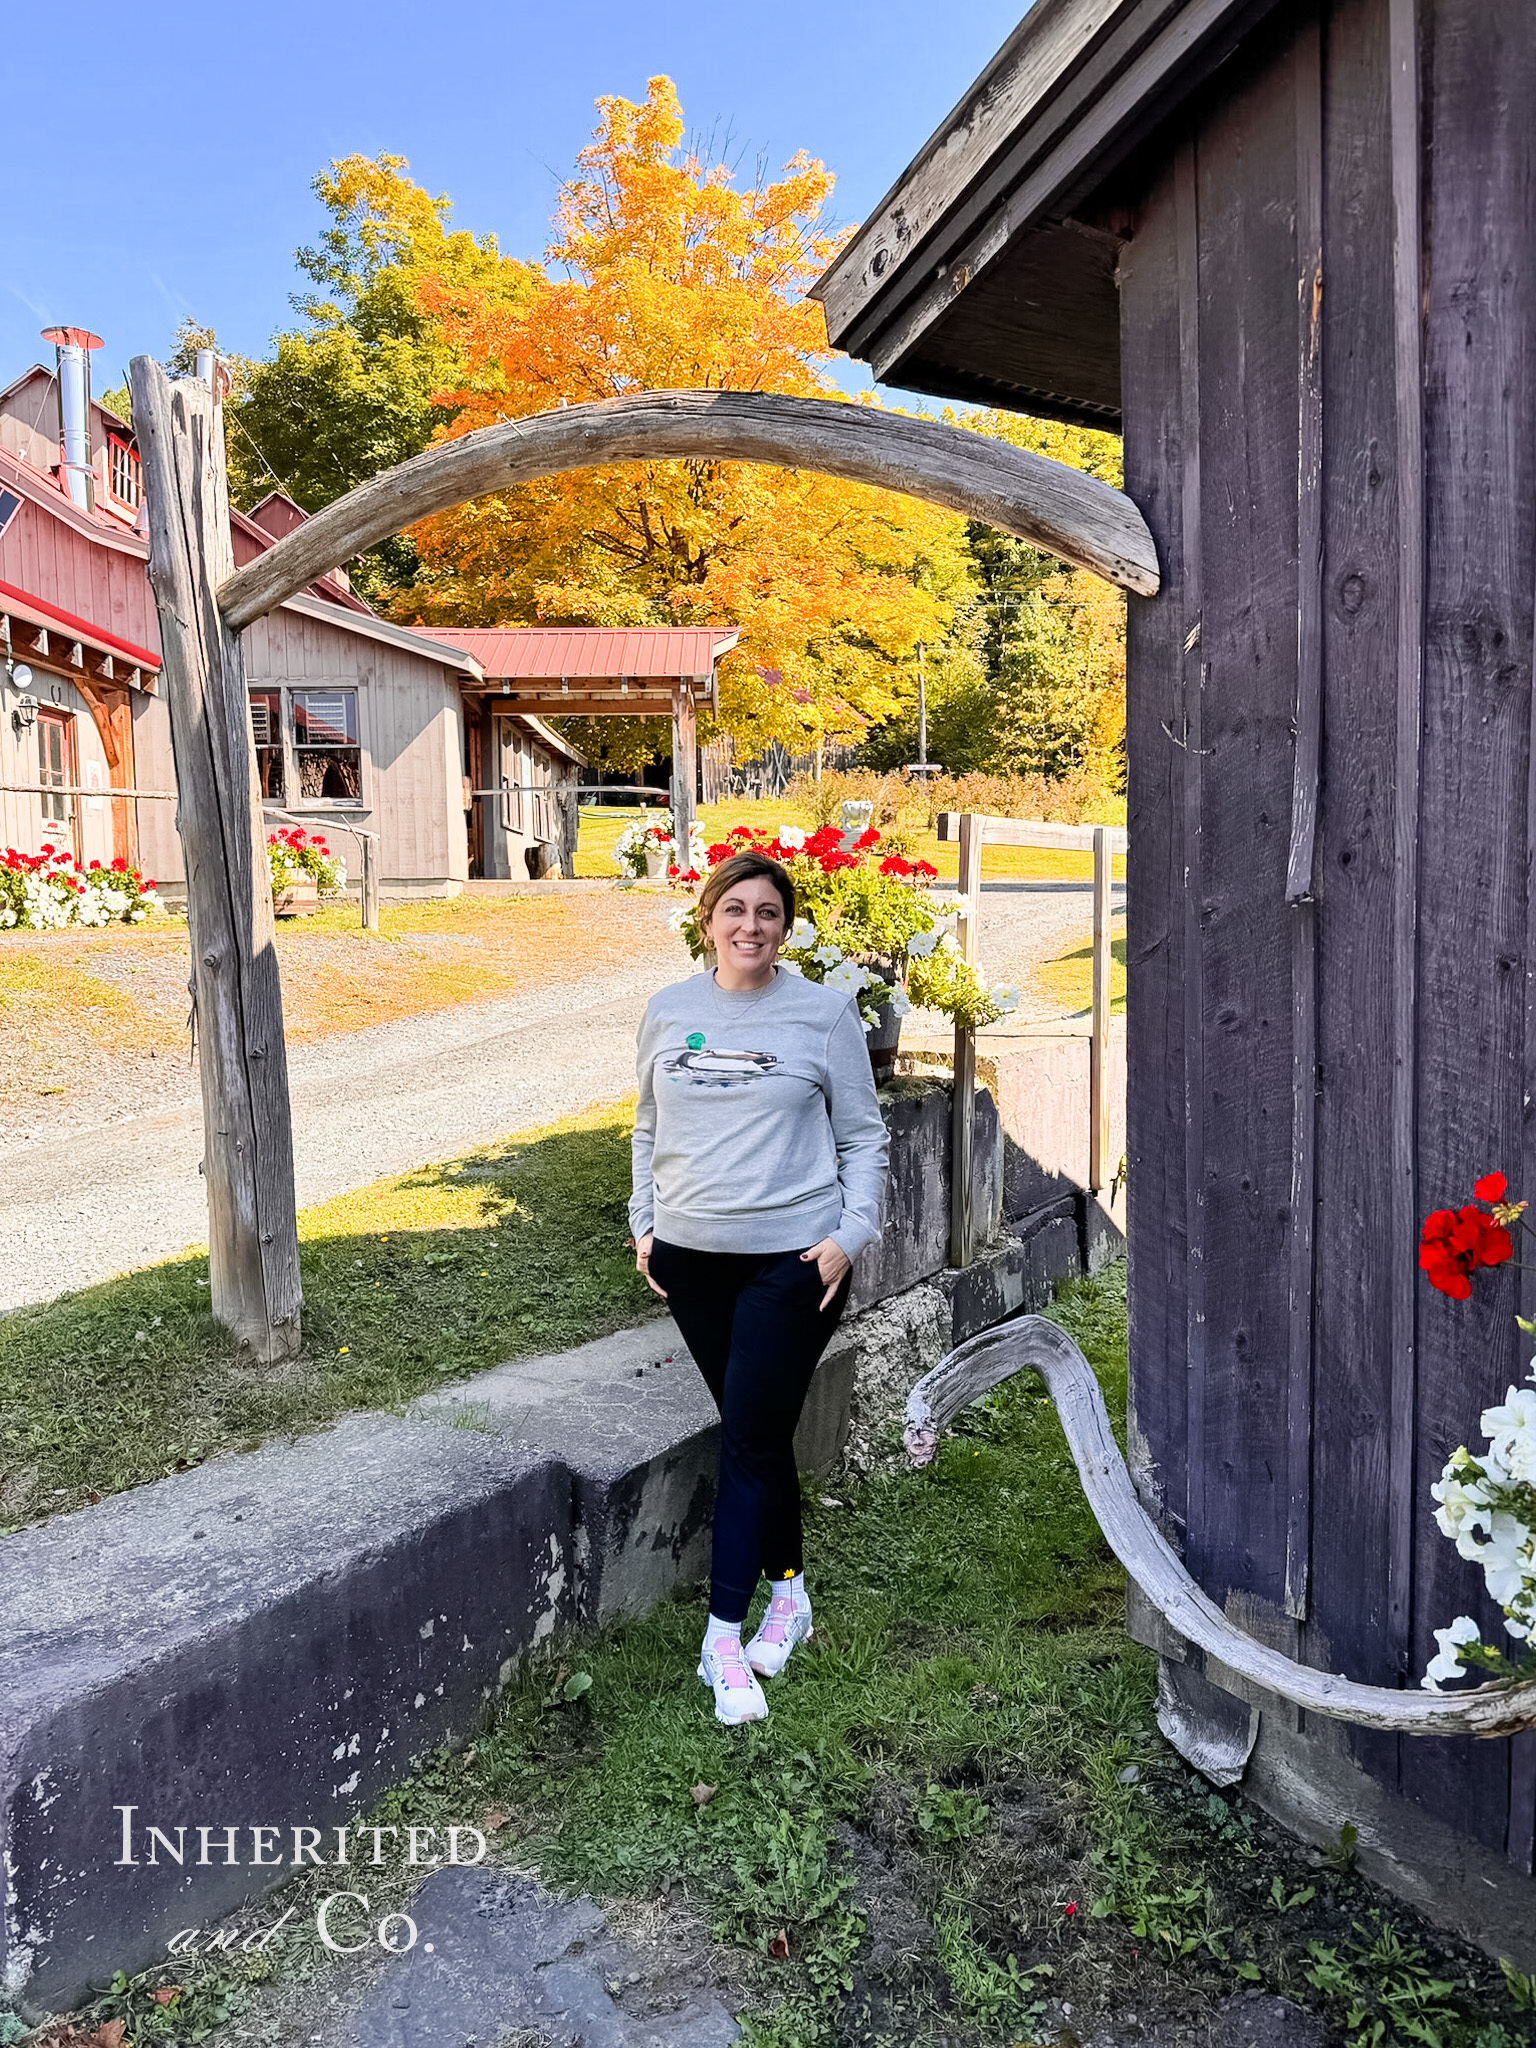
{"points": [[101, 1192]]}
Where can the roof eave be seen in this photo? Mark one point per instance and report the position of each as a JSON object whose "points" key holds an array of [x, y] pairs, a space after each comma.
{"points": [[1079, 85]]}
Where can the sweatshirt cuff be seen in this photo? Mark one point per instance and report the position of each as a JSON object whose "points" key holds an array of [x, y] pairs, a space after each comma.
{"points": [[852, 1240]]}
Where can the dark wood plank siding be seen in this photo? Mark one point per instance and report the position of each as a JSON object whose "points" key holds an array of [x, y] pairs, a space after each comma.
{"points": [[1246, 195], [1349, 547], [1149, 300], [1479, 196], [1352, 1331]]}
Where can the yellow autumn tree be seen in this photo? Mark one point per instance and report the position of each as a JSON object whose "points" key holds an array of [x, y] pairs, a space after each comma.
{"points": [[663, 274]]}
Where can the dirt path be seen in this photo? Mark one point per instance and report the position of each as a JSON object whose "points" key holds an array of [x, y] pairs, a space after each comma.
{"points": [[105, 1176]]}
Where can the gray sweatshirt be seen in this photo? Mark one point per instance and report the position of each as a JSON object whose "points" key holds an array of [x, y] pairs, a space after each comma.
{"points": [[757, 1128]]}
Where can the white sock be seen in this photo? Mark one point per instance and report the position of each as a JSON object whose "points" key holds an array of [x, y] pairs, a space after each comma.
{"points": [[795, 1587], [715, 1626]]}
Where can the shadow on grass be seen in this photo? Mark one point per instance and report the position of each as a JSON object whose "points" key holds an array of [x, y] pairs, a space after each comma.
{"points": [[1069, 977], [407, 1283]]}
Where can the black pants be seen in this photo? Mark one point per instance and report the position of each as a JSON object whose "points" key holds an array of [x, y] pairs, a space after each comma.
{"points": [[755, 1326]]}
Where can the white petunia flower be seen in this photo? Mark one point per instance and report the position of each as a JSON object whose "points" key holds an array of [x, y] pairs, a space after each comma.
{"points": [[847, 976], [791, 836], [921, 944], [900, 1002], [802, 933], [1448, 1665], [1005, 997], [829, 955]]}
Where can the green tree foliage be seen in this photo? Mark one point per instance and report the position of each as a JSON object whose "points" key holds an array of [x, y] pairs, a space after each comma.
{"points": [[353, 390], [1031, 676]]}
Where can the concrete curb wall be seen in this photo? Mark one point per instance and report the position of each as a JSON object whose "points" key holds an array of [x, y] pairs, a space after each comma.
{"points": [[272, 1640]]}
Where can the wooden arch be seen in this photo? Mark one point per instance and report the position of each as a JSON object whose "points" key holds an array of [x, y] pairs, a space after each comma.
{"points": [[204, 604], [1056, 508]]}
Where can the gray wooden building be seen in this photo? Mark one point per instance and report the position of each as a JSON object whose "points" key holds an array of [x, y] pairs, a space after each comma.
{"points": [[1286, 249]]}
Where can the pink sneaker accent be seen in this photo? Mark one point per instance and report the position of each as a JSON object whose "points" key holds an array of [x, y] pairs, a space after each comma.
{"points": [[738, 1696], [785, 1624]]}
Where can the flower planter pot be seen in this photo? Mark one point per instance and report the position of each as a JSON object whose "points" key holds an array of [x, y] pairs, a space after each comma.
{"points": [[656, 864], [298, 899], [883, 1040], [882, 1043]]}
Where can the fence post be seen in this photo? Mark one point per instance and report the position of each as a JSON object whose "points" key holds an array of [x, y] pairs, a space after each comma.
{"points": [[685, 765], [253, 1247], [962, 1149], [370, 884], [1098, 1043]]}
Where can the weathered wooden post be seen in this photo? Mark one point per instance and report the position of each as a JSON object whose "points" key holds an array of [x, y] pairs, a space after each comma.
{"points": [[369, 881], [962, 1196], [685, 757], [253, 1252], [1098, 1044]]}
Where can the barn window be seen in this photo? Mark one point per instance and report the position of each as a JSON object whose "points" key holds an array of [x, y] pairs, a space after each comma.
{"points": [[123, 475], [267, 732], [327, 751]]}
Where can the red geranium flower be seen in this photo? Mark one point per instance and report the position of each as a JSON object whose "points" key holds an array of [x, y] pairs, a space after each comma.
{"points": [[721, 850], [893, 864], [926, 869], [1490, 1188], [1455, 1242], [866, 839]]}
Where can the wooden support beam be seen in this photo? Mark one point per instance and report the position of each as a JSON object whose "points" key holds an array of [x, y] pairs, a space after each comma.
{"points": [[685, 767], [1044, 502], [247, 1139]]}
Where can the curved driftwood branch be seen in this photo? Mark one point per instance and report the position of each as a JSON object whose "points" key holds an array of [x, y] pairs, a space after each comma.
{"points": [[1058, 509], [1033, 1343]]}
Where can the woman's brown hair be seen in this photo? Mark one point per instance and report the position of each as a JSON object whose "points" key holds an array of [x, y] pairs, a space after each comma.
{"points": [[745, 867]]}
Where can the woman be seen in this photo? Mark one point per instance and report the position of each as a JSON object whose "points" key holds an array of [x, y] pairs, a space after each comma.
{"points": [[759, 1161]]}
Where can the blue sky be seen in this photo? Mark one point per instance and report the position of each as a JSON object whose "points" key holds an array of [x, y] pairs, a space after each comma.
{"points": [[180, 184]]}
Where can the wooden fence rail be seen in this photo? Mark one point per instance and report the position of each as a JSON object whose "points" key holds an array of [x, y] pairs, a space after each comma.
{"points": [[973, 830]]}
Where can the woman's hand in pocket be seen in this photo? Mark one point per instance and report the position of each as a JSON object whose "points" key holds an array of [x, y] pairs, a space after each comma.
{"points": [[832, 1262], [643, 1260]]}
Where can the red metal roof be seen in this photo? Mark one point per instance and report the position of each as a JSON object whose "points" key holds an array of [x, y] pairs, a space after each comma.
{"points": [[508, 652]]}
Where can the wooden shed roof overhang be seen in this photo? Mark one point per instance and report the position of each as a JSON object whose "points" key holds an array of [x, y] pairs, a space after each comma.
{"points": [[987, 272], [590, 672]]}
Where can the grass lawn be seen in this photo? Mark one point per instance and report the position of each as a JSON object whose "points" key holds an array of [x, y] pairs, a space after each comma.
{"points": [[1067, 981], [959, 1826], [516, 1249]]}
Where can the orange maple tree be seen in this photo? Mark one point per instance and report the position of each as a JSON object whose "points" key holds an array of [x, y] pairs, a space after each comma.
{"points": [[664, 275]]}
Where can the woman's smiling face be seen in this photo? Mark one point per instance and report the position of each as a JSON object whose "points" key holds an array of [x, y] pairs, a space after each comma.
{"points": [[746, 928]]}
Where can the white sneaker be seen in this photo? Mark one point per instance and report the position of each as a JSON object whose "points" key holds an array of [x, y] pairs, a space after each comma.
{"points": [[787, 1622], [738, 1696]]}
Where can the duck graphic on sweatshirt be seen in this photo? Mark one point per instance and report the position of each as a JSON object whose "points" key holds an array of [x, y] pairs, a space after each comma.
{"points": [[716, 1066]]}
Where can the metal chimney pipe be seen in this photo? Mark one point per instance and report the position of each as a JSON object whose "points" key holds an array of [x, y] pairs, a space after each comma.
{"points": [[74, 345]]}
